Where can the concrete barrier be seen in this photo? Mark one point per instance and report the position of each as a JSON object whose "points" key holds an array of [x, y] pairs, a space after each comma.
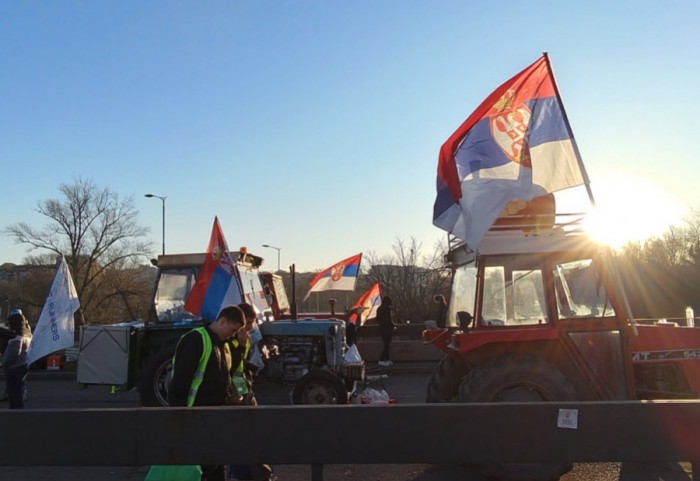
{"points": [[630, 431]]}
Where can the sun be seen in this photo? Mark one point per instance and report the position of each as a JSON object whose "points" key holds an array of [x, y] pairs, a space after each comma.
{"points": [[630, 209]]}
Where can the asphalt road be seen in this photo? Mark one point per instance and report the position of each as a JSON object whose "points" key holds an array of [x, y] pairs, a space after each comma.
{"points": [[405, 382]]}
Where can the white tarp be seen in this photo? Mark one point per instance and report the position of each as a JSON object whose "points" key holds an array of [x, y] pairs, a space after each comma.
{"points": [[104, 354]]}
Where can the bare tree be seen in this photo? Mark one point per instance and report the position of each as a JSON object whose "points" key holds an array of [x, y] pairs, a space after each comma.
{"points": [[97, 232], [411, 279]]}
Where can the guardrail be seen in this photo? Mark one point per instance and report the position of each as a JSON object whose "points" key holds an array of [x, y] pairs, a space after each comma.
{"points": [[625, 431]]}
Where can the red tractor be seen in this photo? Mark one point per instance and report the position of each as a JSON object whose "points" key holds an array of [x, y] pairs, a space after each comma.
{"points": [[540, 315]]}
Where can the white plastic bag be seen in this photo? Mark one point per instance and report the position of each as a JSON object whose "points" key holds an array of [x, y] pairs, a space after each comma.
{"points": [[374, 396], [353, 355]]}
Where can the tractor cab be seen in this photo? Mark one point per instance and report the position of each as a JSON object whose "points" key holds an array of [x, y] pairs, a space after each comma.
{"points": [[549, 295]]}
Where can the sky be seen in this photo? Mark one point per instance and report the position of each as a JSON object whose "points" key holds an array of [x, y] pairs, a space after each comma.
{"points": [[315, 126]]}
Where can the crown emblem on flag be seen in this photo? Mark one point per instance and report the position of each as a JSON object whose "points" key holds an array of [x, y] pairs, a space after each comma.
{"points": [[509, 128], [337, 271]]}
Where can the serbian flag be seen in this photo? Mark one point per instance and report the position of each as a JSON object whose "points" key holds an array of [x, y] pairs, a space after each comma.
{"points": [[368, 302], [515, 146], [340, 277], [216, 286]]}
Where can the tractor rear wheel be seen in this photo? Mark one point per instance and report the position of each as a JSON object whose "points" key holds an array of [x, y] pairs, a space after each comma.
{"points": [[518, 378], [445, 380], [155, 377]]}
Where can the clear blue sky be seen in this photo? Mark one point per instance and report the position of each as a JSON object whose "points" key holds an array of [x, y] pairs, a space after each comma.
{"points": [[315, 126]]}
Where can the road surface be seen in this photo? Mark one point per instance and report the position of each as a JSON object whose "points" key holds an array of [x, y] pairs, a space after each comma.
{"points": [[404, 382]]}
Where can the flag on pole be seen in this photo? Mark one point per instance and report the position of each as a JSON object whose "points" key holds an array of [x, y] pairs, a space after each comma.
{"points": [[369, 302], [339, 277], [515, 146], [216, 286], [55, 329]]}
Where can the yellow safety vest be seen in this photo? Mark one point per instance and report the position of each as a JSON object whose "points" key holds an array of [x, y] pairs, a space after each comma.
{"points": [[203, 360], [240, 366]]}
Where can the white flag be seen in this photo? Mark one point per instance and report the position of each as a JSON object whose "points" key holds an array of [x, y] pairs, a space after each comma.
{"points": [[55, 329]]}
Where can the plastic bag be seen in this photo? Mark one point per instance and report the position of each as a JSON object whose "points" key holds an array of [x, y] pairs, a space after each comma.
{"points": [[374, 396], [174, 473], [353, 355]]}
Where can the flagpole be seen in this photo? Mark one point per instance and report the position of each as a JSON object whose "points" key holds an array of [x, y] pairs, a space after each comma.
{"points": [[584, 174]]}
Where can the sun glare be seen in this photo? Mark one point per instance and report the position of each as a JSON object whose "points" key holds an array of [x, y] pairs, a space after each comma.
{"points": [[630, 209]]}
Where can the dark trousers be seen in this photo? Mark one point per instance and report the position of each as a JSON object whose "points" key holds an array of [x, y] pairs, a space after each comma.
{"points": [[386, 340], [16, 385], [211, 472]]}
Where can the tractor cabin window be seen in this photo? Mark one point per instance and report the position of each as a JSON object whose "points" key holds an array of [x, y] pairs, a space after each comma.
{"points": [[463, 293], [580, 291], [513, 297], [173, 287]]}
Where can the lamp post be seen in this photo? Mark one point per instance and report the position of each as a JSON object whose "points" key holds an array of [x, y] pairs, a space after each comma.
{"points": [[163, 201], [278, 254]]}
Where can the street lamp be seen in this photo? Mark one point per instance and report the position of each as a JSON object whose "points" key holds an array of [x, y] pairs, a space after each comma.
{"points": [[278, 254], [162, 200]]}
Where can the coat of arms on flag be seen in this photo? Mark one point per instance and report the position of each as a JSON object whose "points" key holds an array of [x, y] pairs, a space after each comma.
{"points": [[340, 276]]}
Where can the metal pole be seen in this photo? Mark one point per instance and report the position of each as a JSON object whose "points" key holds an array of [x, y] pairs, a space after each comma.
{"points": [[163, 199], [278, 254], [584, 174]]}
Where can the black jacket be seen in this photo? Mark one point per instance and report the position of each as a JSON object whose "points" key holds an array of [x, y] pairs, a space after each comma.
{"points": [[386, 325], [215, 389]]}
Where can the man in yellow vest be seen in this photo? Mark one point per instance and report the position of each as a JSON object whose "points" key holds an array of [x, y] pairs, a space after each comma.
{"points": [[240, 347], [202, 370], [243, 349]]}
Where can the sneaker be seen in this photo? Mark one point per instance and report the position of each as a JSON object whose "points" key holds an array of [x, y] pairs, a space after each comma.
{"points": [[390, 363]]}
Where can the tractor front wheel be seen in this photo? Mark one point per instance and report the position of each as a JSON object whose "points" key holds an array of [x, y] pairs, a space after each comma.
{"points": [[320, 387], [445, 380]]}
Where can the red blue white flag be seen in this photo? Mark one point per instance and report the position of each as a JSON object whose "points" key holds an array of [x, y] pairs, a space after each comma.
{"points": [[368, 303], [216, 286], [339, 277], [515, 146]]}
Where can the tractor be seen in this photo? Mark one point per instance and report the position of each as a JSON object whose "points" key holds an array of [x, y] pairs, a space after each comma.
{"points": [[539, 315]]}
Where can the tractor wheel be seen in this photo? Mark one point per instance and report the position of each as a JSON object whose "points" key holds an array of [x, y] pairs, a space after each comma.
{"points": [[445, 380], [320, 387], [155, 378], [518, 378]]}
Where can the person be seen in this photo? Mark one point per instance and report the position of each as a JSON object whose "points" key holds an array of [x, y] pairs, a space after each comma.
{"points": [[202, 370], [350, 326], [5, 336], [245, 353], [14, 359], [440, 311], [242, 351], [386, 330]]}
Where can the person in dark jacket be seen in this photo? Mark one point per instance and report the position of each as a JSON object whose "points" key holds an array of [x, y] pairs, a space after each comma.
{"points": [[14, 358], [215, 388], [440, 310], [5, 336], [386, 330]]}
